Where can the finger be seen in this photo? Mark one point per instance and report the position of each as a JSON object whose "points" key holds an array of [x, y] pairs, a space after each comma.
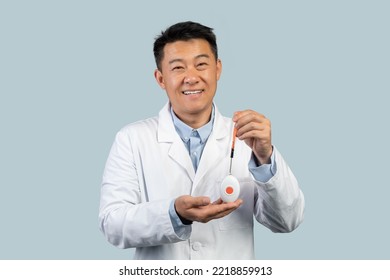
{"points": [[254, 130], [242, 115], [227, 208], [239, 114], [223, 206], [188, 202], [256, 126], [219, 201], [252, 122], [250, 118], [211, 211], [256, 134], [199, 201]]}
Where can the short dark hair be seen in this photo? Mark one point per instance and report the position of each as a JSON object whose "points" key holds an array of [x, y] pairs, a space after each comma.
{"points": [[183, 31]]}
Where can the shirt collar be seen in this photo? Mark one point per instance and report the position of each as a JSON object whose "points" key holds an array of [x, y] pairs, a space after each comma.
{"points": [[185, 131]]}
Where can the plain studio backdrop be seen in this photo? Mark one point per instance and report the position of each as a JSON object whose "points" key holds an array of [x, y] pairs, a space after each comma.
{"points": [[72, 73]]}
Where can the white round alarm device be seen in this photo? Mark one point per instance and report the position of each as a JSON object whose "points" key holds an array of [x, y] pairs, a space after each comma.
{"points": [[230, 189]]}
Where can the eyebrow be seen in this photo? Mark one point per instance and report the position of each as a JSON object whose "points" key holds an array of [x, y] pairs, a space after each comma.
{"points": [[181, 60]]}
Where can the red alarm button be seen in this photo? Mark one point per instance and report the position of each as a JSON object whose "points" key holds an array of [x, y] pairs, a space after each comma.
{"points": [[229, 190]]}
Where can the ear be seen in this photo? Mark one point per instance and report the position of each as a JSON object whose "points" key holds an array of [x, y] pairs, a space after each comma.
{"points": [[219, 68], [159, 78]]}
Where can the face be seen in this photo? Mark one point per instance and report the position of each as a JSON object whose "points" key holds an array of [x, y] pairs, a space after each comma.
{"points": [[189, 74]]}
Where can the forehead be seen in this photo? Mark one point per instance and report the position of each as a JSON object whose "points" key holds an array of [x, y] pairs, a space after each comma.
{"points": [[187, 49]]}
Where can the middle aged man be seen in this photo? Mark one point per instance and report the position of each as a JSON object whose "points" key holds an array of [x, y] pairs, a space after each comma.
{"points": [[160, 190]]}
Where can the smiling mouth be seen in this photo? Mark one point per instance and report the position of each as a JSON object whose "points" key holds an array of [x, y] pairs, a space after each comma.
{"points": [[190, 92]]}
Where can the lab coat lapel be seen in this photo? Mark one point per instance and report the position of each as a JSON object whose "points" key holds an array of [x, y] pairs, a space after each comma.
{"points": [[215, 150], [177, 151], [179, 154]]}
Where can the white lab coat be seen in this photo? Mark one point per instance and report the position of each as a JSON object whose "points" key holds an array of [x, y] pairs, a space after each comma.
{"points": [[148, 166]]}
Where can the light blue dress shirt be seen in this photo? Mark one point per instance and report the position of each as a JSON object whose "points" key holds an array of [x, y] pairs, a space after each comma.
{"points": [[195, 141]]}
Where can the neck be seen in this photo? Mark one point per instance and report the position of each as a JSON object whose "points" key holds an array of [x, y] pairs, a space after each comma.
{"points": [[195, 120]]}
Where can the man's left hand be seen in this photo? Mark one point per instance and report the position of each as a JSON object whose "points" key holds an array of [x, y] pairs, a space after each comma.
{"points": [[255, 130]]}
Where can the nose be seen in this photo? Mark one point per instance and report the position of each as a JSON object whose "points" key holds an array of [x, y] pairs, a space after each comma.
{"points": [[191, 77]]}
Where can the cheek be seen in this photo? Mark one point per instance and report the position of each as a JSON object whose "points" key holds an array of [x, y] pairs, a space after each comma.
{"points": [[212, 76], [172, 84], [175, 83], [212, 79]]}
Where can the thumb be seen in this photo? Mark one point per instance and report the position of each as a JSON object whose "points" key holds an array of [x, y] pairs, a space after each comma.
{"points": [[200, 201]]}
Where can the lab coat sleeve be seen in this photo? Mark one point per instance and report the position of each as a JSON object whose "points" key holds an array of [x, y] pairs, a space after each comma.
{"points": [[126, 218], [279, 203]]}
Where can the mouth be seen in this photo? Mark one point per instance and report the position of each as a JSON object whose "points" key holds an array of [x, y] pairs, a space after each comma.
{"points": [[191, 92]]}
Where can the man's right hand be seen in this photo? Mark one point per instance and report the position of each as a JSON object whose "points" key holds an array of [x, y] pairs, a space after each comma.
{"points": [[201, 210]]}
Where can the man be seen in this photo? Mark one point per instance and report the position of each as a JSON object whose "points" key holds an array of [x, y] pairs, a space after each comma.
{"points": [[160, 189]]}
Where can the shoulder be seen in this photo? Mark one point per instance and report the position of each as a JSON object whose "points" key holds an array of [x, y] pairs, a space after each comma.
{"points": [[145, 124], [221, 119], [138, 130]]}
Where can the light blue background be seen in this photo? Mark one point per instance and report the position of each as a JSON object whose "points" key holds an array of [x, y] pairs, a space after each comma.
{"points": [[72, 73]]}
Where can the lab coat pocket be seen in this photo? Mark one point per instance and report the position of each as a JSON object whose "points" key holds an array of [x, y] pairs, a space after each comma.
{"points": [[243, 216]]}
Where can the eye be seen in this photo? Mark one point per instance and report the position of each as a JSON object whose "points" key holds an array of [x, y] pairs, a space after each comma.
{"points": [[177, 68], [202, 65]]}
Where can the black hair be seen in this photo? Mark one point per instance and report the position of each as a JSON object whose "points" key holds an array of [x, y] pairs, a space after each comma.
{"points": [[183, 31]]}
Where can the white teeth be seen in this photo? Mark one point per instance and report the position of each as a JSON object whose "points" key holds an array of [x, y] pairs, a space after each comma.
{"points": [[188, 92]]}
